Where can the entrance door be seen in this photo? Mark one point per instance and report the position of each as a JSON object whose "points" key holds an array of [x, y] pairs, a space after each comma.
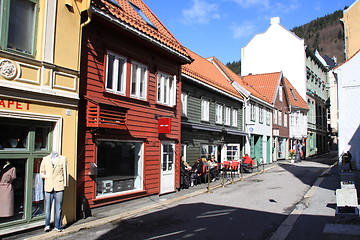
{"points": [[167, 182]]}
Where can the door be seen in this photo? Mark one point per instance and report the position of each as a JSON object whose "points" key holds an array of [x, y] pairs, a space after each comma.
{"points": [[167, 181]]}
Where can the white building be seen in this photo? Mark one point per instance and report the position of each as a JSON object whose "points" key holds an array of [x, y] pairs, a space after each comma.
{"points": [[348, 76], [276, 50]]}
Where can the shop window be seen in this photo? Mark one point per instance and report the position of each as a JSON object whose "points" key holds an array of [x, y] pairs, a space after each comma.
{"points": [[208, 150], [233, 152], [119, 167], [18, 18], [166, 92], [23, 144]]}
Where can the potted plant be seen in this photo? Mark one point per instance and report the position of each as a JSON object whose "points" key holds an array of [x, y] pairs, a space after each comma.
{"points": [[292, 155]]}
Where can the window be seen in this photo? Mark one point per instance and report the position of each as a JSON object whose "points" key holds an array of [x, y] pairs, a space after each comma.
{"points": [[115, 73], [142, 15], [18, 19], [293, 94], [275, 116], [168, 156], [139, 75], [252, 112], [227, 116], [205, 106], [233, 152], [292, 119], [184, 100], [268, 115], [261, 114], [218, 114], [23, 143], [285, 120], [234, 118], [119, 167], [208, 151], [166, 89], [280, 93], [280, 118]]}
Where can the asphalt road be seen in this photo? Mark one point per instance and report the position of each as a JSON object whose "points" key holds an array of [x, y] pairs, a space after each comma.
{"points": [[252, 209]]}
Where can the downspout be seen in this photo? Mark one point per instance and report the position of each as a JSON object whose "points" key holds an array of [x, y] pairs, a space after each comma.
{"points": [[82, 25]]}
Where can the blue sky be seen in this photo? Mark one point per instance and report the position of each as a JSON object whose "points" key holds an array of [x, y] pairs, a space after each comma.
{"points": [[221, 28]]}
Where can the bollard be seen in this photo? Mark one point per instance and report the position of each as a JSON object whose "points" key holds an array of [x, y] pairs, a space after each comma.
{"points": [[208, 177], [222, 178], [241, 172]]}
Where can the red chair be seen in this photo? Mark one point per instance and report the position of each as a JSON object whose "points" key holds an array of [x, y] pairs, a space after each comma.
{"points": [[235, 167]]}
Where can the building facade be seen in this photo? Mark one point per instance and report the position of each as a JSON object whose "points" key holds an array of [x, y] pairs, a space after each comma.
{"points": [[39, 86], [129, 120], [212, 113], [352, 29]]}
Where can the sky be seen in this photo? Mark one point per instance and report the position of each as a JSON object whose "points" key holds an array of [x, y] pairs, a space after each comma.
{"points": [[221, 28]]}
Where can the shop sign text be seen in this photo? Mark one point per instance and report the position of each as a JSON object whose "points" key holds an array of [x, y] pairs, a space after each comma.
{"points": [[11, 104]]}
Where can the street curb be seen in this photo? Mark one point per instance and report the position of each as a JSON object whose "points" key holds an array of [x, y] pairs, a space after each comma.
{"points": [[285, 228], [122, 216]]}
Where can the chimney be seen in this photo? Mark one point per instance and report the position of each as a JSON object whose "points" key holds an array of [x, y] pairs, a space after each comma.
{"points": [[275, 20]]}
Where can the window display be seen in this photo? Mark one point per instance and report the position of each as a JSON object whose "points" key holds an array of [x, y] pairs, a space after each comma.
{"points": [[119, 167]]}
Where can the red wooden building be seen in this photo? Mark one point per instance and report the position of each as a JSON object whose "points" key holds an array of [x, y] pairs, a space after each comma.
{"points": [[129, 118]]}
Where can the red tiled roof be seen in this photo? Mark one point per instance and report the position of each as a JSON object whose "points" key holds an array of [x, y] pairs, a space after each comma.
{"points": [[204, 71], [234, 77], [264, 84], [299, 102], [126, 13]]}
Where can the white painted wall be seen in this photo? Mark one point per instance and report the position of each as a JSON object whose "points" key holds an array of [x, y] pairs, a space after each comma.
{"points": [[275, 50], [349, 107]]}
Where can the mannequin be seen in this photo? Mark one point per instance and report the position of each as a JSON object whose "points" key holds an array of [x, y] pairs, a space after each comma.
{"points": [[53, 170], [7, 175]]}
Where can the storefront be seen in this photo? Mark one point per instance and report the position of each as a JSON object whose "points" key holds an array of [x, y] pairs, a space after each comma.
{"points": [[30, 130]]}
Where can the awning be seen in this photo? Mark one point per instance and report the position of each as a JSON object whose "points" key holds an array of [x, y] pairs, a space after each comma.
{"points": [[235, 132], [200, 126]]}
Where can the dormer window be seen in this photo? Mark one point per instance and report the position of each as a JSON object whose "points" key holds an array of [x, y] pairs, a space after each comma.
{"points": [[142, 15], [280, 94]]}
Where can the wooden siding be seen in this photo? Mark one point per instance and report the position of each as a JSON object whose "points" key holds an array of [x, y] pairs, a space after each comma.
{"points": [[141, 121]]}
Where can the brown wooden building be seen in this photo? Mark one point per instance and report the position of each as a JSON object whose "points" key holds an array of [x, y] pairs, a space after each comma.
{"points": [[129, 118]]}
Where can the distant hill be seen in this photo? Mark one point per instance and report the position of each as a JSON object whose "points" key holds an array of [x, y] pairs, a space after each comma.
{"points": [[326, 34]]}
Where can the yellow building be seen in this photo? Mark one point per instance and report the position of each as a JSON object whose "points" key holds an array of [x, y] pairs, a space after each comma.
{"points": [[351, 21], [39, 86]]}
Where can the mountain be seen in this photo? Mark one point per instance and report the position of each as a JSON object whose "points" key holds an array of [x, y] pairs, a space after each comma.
{"points": [[326, 34]]}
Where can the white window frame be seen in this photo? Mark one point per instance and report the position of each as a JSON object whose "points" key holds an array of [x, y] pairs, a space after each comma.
{"points": [[285, 120], [280, 93], [227, 116], [118, 84], [268, 116], [261, 114], [234, 118], [219, 113], [138, 81], [166, 94], [252, 112], [275, 116], [205, 110], [280, 118], [184, 103]]}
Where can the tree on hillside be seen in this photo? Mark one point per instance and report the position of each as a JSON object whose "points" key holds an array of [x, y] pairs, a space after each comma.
{"points": [[235, 66]]}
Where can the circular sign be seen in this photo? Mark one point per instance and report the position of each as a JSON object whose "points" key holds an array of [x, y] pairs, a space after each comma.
{"points": [[251, 129]]}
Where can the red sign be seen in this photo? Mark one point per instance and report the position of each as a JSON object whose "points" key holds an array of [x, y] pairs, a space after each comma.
{"points": [[11, 104], [164, 125]]}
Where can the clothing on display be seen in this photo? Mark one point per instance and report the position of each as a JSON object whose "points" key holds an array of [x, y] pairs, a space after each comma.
{"points": [[7, 175]]}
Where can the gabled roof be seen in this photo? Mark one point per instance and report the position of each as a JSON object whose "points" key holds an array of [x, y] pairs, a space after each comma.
{"points": [[347, 60], [123, 13], [203, 70], [265, 84], [294, 97]]}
